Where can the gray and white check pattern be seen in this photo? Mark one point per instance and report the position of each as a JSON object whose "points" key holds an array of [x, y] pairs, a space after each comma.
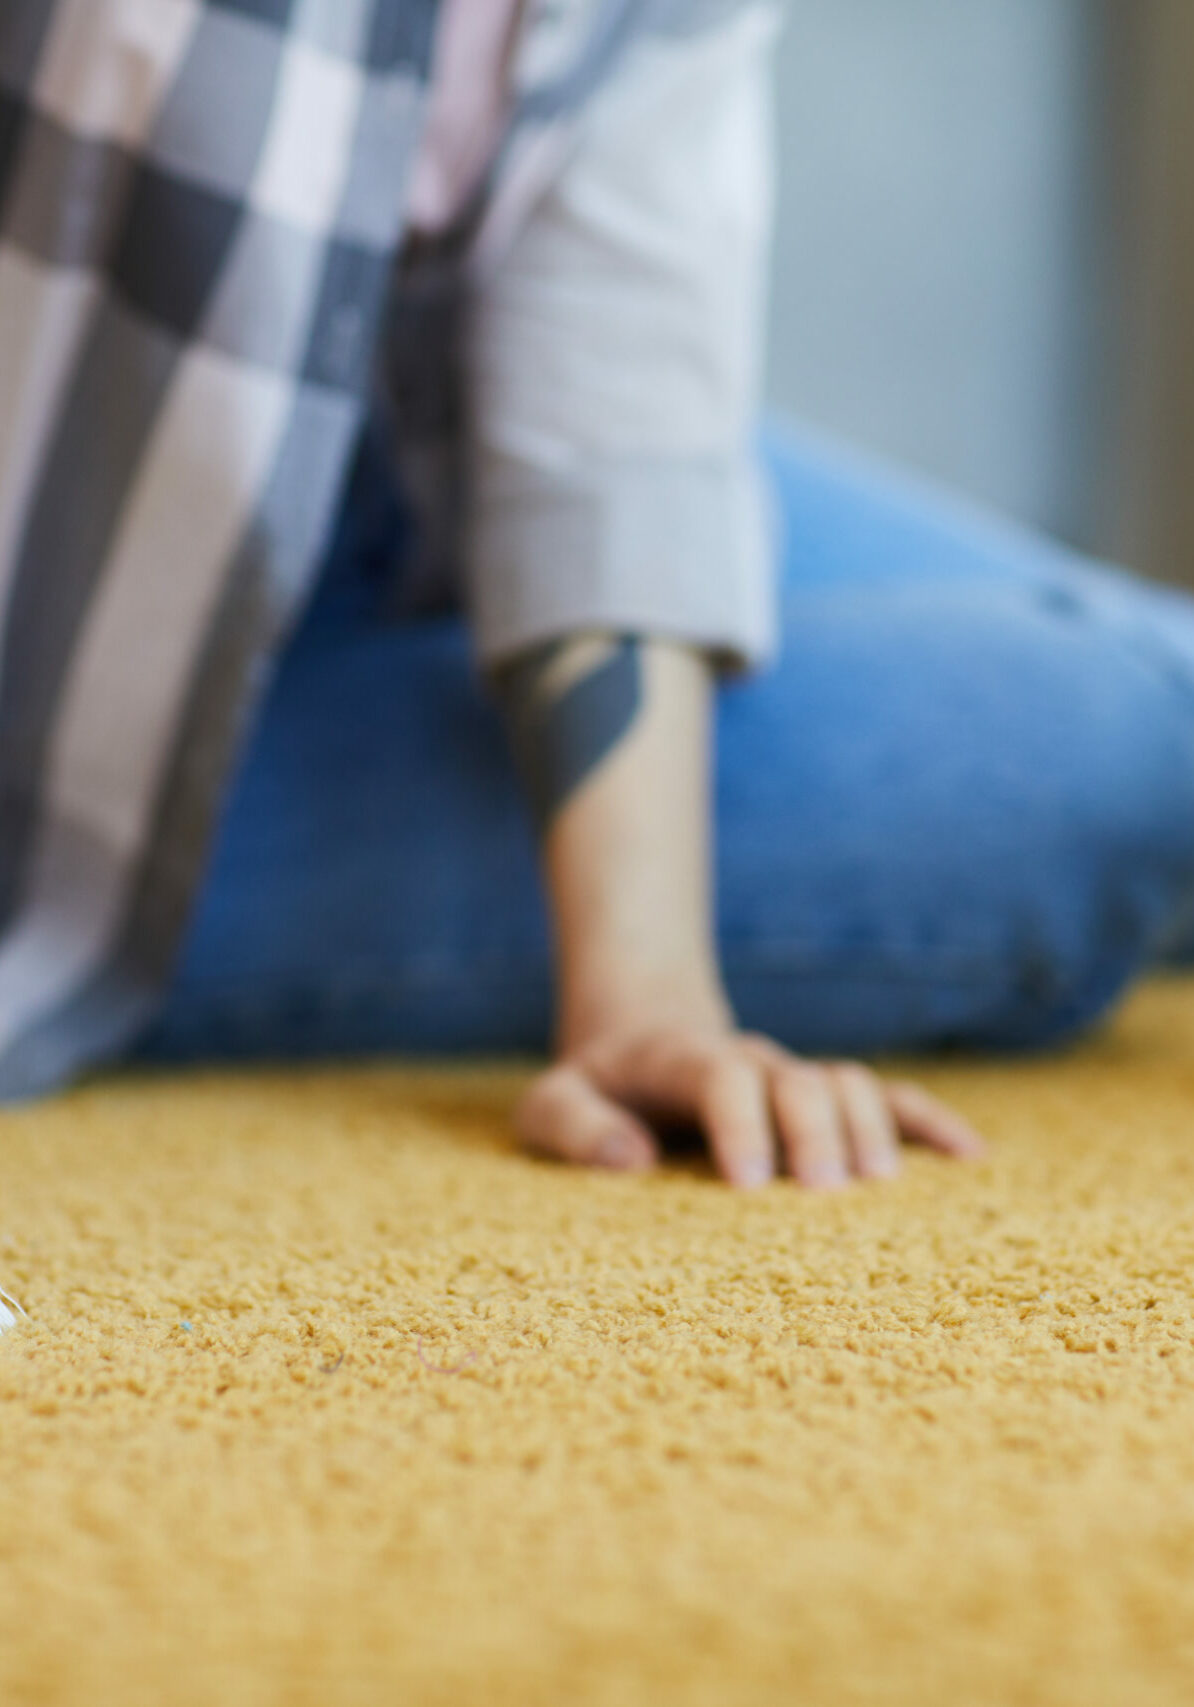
{"points": [[200, 202]]}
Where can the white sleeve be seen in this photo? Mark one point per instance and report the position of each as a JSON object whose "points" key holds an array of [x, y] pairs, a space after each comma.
{"points": [[614, 366]]}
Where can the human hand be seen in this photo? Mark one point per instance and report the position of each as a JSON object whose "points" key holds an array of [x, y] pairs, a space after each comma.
{"points": [[613, 735], [759, 1108]]}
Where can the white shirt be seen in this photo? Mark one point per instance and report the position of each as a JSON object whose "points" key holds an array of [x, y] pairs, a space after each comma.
{"points": [[616, 347]]}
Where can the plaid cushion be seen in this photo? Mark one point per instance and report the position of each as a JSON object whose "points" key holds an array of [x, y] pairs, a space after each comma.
{"points": [[200, 202]]}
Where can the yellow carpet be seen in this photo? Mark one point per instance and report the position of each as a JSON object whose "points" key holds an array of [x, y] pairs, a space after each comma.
{"points": [[329, 1397]]}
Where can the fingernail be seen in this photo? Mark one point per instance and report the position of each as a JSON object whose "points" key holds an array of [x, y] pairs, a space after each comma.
{"points": [[754, 1172], [619, 1150], [883, 1167], [829, 1176]]}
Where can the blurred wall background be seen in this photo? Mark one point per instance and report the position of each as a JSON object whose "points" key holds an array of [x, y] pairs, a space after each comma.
{"points": [[1152, 49], [979, 269]]}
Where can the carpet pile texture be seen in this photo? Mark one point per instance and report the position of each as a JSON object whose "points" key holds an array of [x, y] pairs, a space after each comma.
{"points": [[328, 1397]]}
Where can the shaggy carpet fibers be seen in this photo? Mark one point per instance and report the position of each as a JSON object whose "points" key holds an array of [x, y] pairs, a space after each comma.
{"points": [[328, 1396]]}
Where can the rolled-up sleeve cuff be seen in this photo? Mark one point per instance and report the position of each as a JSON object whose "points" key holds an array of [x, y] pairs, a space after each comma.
{"points": [[681, 549]]}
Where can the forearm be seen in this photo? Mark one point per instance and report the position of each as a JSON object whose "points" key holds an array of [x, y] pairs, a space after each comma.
{"points": [[613, 741]]}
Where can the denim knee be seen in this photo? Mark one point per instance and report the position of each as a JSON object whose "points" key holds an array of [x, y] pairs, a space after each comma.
{"points": [[956, 815]]}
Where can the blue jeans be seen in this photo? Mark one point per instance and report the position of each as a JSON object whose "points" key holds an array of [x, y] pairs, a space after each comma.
{"points": [[959, 811]]}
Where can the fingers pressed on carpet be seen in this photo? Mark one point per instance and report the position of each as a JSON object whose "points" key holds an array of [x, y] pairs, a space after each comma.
{"points": [[810, 1126], [924, 1120], [734, 1110], [564, 1115], [871, 1130]]}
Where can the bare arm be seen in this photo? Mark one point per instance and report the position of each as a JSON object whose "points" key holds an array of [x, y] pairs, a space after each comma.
{"points": [[612, 739]]}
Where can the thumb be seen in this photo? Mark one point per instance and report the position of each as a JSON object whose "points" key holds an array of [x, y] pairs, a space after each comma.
{"points": [[565, 1116]]}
